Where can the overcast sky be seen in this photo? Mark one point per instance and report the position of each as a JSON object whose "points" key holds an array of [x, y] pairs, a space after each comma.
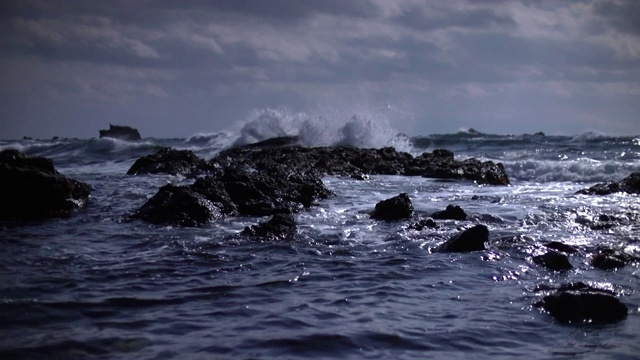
{"points": [[172, 68]]}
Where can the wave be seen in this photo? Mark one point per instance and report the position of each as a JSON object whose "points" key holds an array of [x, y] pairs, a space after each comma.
{"points": [[579, 171]]}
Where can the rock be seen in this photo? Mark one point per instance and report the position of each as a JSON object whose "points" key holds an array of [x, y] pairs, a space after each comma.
{"points": [[556, 245], [472, 239], [279, 227], [121, 132], [32, 189], [450, 213], [395, 208], [630, 185], [233, 191], [582, 304], [554, 261], [539, 133], [424, 223], [607, 262], [170, 161]]}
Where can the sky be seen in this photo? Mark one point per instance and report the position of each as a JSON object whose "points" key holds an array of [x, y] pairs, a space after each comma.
{"points": [[175, 68]]}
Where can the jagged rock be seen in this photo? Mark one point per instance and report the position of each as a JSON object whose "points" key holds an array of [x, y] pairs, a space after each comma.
{"points": [[170, 161], [32, 189], [121, 132], [450, 213], [630, 184], [554, 261], [607, 262], [396, 208], [279, 227], [556, 245], [580, 303], [423, 223], [472, 239], [233, 191]]}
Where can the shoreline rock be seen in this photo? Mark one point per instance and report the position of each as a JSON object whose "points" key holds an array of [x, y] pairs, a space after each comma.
{"points": [[471, 239], [629, 185], [121, 132], [395, 208]]}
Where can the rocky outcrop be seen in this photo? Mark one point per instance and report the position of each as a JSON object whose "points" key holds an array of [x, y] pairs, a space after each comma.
{"points": [[581, 303], [422, 224], [396, 208], [472, 239], [450, 213], [279, 227], [553, 260], [233, 191], [32, 189], [121, 132], [630, 184], [170, 161]]}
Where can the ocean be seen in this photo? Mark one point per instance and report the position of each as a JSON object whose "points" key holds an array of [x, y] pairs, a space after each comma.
{"points": [[98, 286]]}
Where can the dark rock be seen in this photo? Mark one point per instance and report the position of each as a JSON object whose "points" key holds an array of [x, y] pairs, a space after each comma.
{"points": [[424, 223], [32, 189], [607, 262], [472, 239], [556, 245], [170, 161], [554, 261], [279, 227], [234, 191], [450, 213], [121, 132], [539, 133], [584, 306], [396, 208], [630, 185]]}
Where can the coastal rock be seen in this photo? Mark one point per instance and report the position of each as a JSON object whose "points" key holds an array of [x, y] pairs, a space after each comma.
{"points": [[556, 245], [472, 239], [422, 224], [121, 132], [233, 191], [170, 161], [580, 303], [554, 261], [279, 227], [450, 213], [396, 208], [32, 189], [630, 185], [607, 262]]}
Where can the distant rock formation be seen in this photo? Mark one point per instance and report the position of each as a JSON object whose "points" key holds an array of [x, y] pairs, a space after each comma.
{"points": [[32, 189], [121, 132], [630, 185]]}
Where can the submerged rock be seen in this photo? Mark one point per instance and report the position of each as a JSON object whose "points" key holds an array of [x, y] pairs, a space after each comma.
{"points": [[554, 261], [396, 208], [450, 213], [279, 227], [170, 161], [556, 245], [580, 303], [423, 223], [630, 185], [32, 189], [472, 239], [121, 132]]}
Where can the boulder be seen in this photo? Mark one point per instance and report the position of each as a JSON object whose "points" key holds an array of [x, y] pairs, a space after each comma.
{"points": [[472, 239], [580, 303], [121, 132], [630, 185], [556, 245], [450, 213], [170, 161], [422, 224], [607, 262], [279, 227], [32, 189], [553, 260], [396, 208]]}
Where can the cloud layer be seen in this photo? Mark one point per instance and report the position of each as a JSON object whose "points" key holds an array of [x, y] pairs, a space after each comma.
{"points": [[174, 68]]}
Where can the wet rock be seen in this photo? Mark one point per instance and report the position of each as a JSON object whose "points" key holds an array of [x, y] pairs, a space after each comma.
{"points": [[121, 132], [630, 184], [279, 227], [472, 239], [607, 262], [395, 208], [583, 304], [556, 245], [234, 191], [170, 161], [32, 189], [450, 213], [554, 261], [422, 224]]}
